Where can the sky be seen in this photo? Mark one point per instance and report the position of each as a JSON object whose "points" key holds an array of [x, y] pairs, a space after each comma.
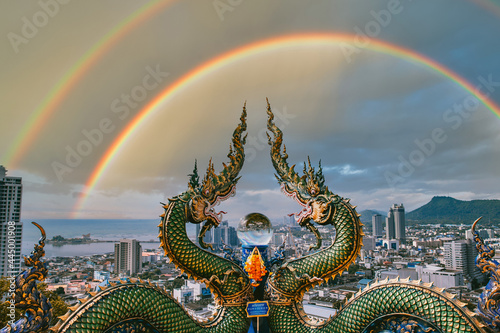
{"points": [[106, 105]]}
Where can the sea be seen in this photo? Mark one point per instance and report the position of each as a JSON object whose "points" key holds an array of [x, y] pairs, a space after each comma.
{"points": [[110, 231]]}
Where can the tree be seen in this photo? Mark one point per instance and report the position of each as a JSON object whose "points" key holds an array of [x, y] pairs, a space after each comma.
{"points": [[4, 310], [353, 268], [178, 282], [475, 284], [59, 307], [203, 301], [337, 304], [149, 275], [58, 238]]}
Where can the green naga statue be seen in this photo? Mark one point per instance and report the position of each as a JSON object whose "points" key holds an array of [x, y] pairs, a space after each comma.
{"points": [[135, 306], [138, 306], [384, 306]]}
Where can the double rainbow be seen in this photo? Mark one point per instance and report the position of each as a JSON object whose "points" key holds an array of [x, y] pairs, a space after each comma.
{"points": [[43, 112]]}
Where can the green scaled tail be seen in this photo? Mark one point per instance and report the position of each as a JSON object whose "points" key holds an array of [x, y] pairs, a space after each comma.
{"points": [[382, 299], [149, 303]]}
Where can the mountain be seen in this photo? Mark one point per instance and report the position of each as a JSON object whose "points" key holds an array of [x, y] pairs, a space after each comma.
{"points": [[451, 210], [366, 215]]}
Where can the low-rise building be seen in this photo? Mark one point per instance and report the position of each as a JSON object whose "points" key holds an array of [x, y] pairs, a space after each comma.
{"points": [[339, 294], [101, 275], [191, 291], [319, 313], [363, 283], [440, 276], [403, 273]]}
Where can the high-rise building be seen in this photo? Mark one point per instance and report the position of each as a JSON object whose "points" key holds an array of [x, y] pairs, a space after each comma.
{"points": [[461, 255], [223, 233], [232, 236], [390, 232], [289, 221], [369, 243], [197, 232], [128, 255], [455, 255], [278, 238], [399, 222], [11, 228], [207, 238], [377, 227], [290, 249], [396, 223], [217, 236]]}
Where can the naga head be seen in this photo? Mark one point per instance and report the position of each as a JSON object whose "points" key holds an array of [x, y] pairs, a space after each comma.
{"points": [[308, 190], [214, 188], [489, 300]]}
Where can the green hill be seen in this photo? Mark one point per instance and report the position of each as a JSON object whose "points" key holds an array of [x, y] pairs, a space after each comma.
{"points": [[366, 215], [451, 210]]}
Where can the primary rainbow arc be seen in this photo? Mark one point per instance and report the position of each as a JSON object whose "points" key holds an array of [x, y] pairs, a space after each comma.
{"points": [[254, 48]]}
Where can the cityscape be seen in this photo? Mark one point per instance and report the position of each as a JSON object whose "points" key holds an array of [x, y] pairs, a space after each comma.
{"points": [[443, 254]]}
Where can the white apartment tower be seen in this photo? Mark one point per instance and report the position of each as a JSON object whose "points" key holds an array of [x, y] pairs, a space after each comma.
{"points": [[128, 256], [461, 255], [11, 228]]}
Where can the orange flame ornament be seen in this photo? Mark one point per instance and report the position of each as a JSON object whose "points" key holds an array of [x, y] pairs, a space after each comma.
{"points": [[255, 267]]}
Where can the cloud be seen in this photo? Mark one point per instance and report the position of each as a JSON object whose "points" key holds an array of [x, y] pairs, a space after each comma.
{"points": [[359, 118], [345, 170]]}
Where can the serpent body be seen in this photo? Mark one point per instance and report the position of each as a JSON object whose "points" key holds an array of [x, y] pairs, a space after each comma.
{"points": [[133, 306], [391, 300], [26, 296]]}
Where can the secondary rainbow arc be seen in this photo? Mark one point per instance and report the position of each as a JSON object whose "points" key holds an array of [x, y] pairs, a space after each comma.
{"points": [[489, 6], [43, 112]]}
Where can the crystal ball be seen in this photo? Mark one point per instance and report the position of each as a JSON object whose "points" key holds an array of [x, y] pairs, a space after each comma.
{"points": [[255, 229]]}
